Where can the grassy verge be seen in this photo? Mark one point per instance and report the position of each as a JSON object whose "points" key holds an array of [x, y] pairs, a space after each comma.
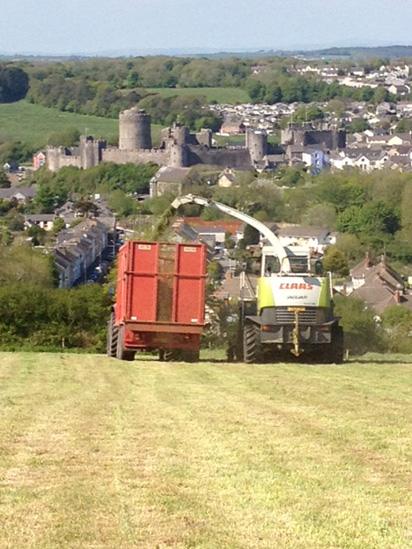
{"points": [[98, 453]]}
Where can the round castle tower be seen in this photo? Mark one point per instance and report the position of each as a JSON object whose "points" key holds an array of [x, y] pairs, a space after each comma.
{"points": [[257, 143], [134, 130]]}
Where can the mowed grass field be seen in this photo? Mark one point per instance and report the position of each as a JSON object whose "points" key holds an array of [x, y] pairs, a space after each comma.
{"points": [[33, 124], [98, 453], [221, 95]]}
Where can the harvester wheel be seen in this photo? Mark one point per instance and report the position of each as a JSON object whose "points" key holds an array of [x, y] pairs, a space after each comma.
{"points": [[121, 352], [337, 345], [250, 343], [112, 336]]}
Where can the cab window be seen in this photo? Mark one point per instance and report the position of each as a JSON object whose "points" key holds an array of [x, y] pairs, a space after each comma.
{"points": [[272, 265], [298, 264]]}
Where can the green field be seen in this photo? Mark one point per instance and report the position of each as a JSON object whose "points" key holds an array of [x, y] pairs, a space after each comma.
{"points": [[33, 124], [99, 453], [221, 95]]}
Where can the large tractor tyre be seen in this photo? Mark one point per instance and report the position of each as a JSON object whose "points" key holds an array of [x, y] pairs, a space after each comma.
{"points": [[112, 337], [250, 343], [337, 345], [121, 352]]}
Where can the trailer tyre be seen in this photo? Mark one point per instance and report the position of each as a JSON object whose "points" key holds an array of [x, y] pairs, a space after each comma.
{"points": [[112, 337], [250, 343], [121, 352]]}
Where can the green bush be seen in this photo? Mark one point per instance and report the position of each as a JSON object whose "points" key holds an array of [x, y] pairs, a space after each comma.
{"points": [[40, 318], [362, 332]]}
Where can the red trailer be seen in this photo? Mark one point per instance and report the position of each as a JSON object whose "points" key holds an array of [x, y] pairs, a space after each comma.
{"points": [[160, 301]]}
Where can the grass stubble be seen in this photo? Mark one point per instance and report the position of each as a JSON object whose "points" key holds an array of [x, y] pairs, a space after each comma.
{"points": [[99, 453]]}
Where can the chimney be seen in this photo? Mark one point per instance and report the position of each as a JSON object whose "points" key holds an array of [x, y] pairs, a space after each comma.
{"points": [[368, 260]]}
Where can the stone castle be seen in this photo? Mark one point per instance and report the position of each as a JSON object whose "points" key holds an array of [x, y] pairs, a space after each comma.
{"points": [[178, 147]]}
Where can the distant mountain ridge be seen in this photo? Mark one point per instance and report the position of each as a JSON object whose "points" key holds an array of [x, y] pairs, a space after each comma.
{"points": [[346, 52]]}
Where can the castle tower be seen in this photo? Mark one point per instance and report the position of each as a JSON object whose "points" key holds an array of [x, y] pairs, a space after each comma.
{"points": [[134, 130], [181, 134], [178, 156], [257, 143], [90, 151]]}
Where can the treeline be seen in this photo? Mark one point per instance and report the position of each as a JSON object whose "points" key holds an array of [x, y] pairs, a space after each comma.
{"points": [[104, 87], [35, 317], [117, 182], [34, 314], [192, 111], [285, 88], [14, 83]]}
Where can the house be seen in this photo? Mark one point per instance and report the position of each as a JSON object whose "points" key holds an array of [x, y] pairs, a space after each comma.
{"points": [[44, 221], [232, 127], [227, 178], [169, 180], [315, 159], [399, 89], [20, 194], [362, 158], [77, 249], [315, 239], [39, 160], [216, 230], [378, 285]]}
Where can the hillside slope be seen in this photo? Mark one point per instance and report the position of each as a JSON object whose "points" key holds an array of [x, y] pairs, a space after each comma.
{"points": [[98, 453]]}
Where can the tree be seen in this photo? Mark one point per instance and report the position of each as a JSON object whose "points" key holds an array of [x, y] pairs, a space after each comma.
{"points": [[335, 261], [251, 235], [214, 271], [358, 125], [255, 89], [229, 242], [26, 265], [65, 138], [122, 204], [350, 246], [4, 180], [14, 84], [58, 225], [372, 219], [362, 333], [15, 221], [397, 321], [37, 234], [320, 215]]}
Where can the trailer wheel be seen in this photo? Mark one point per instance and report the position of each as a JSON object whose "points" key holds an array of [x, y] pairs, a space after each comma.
{"points": [[121, 352], [169, 355], [112, 337], [250, 343]]}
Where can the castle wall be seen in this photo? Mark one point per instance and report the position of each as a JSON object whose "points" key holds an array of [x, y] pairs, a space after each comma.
{"points": [[118, 156], [234, 158]]}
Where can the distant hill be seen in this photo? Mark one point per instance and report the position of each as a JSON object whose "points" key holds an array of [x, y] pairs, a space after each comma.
{"points": [[355, 52], [390, 52]]}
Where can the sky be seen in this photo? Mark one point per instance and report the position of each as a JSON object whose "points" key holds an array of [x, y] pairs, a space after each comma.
{"points": [[133, 26]]}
